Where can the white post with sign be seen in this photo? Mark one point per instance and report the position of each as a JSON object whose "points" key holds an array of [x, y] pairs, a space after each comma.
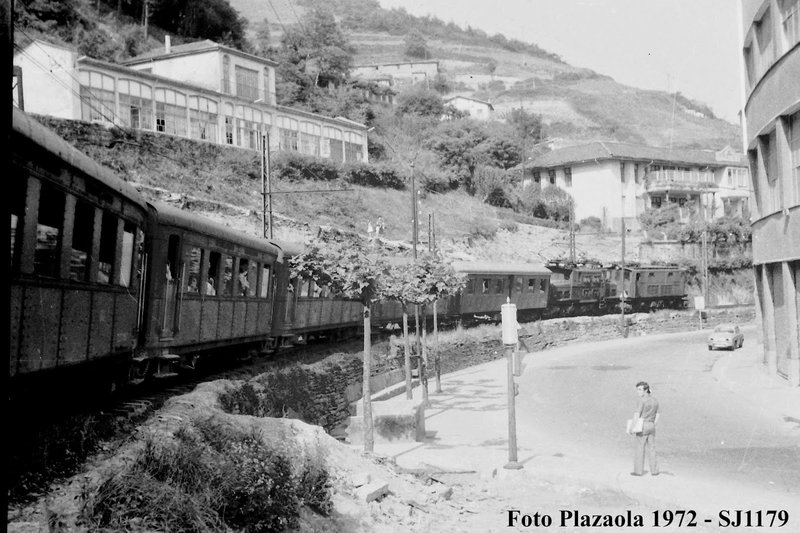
{"points": [[508, 312], [700, 305]]}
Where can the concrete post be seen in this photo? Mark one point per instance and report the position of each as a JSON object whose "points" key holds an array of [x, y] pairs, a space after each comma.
{"points": [[789, 290]]}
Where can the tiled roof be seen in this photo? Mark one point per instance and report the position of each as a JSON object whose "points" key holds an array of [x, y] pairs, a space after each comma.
{"points": [[604, 150]]}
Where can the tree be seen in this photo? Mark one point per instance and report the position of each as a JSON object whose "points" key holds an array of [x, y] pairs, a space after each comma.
{"points": [[420, 283], [528, 126], [209, 19], [263, 39], [314, 53], [416, 45], [491, 66], [458, 145], [353, 273], [420, 101]]}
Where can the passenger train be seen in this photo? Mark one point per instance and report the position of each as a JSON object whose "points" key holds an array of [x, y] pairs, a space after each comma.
{"points": [[111, 289]]}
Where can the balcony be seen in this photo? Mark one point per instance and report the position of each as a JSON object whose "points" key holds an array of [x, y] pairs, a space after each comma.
{"points": [[680, 181]]}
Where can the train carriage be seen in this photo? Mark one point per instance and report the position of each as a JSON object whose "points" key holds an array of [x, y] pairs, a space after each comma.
{"points": [[210, 287], [490, 285], [649, 288], [76, 262]]}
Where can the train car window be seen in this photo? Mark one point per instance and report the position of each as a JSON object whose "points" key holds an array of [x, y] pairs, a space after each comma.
{"points": [[82, 234], [252, 277], [173, 257], [586, 292], [193, 260], [542, 285], [128, 254], [227, 276], [500, 287], [48, 231], [470, 286], [244, 277], [627, 275], [17, 208], [304, 287], [214, 264], [518, 284], [108, 249], [316, 289], [485, 286], [265, 281], [532, 285]]}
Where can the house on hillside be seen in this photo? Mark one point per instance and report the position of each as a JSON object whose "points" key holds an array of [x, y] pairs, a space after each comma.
{"points": [[612, 181], [405, 73], [477, 109], [201, 90]]}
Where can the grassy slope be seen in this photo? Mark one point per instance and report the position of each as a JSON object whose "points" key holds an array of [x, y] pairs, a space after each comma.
{"points": [[587, 108]]}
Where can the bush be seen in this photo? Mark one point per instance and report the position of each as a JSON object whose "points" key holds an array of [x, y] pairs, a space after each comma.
{"points": [[482, 228], [591, 224], [382, 176], [292, 166], [204, 479]]}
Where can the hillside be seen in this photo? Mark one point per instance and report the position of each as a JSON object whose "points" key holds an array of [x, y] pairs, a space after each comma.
{"points": [[576, 104]]}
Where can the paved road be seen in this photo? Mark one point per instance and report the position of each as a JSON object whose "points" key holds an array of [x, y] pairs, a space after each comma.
{"points": [[583, 394]]}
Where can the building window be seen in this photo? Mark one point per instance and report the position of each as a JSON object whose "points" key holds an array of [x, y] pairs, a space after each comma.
{"points": [[248, 127], [136, 104], [551, 175], [568, 177], [287, 134], [655, 201], [309, 138], [98, 101], [794, 151], [170, 112], [352, 147], [202, 119], [331, 144], [790, 22], [769, 156], [766, 45], [537, 177], [246, 83]]}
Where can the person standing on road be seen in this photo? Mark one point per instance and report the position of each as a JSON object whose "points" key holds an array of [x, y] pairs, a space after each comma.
{"points": [[647, 410]]}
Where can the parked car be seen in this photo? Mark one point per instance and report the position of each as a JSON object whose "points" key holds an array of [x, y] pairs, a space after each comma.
{"points": [[726, 336]]}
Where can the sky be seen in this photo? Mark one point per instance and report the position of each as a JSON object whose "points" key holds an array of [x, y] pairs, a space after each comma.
{"points": [[691, 46]]}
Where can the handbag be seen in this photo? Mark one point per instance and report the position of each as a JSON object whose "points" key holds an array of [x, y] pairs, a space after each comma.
{"points": [[635, 426]]}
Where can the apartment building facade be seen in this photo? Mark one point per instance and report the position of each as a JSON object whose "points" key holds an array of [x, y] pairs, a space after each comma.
{"points": [[201, 90], [771, 131], [612, 181]]}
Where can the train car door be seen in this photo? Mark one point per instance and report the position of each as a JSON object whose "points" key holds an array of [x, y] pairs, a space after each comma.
{"points": [[173, 276]]}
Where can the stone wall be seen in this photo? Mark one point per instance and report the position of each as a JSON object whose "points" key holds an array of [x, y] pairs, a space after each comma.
{"points": [[321, 393]]}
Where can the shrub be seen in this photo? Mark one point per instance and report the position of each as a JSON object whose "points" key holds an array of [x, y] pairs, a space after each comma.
{"points": [[482, 228], [591, 224], [204, 479], [292, 166], [382, 176]]}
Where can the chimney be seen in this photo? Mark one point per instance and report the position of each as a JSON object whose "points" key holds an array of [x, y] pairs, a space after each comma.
{"points": [[167, 45]]}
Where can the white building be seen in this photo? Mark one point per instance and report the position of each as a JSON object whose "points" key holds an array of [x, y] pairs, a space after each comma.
{"points": [[201, 90], [404, 73], [611, 180], [477, 109]]}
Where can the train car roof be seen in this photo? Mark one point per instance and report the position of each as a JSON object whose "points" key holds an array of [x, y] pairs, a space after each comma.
{"points": [[291, 249], [25, 125], [174, 216], [486, 267]]}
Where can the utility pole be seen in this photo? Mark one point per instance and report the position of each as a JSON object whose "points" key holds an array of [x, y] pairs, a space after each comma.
{"points": [[266, 190], [414, 237], [572, 230], [622, 324]]}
